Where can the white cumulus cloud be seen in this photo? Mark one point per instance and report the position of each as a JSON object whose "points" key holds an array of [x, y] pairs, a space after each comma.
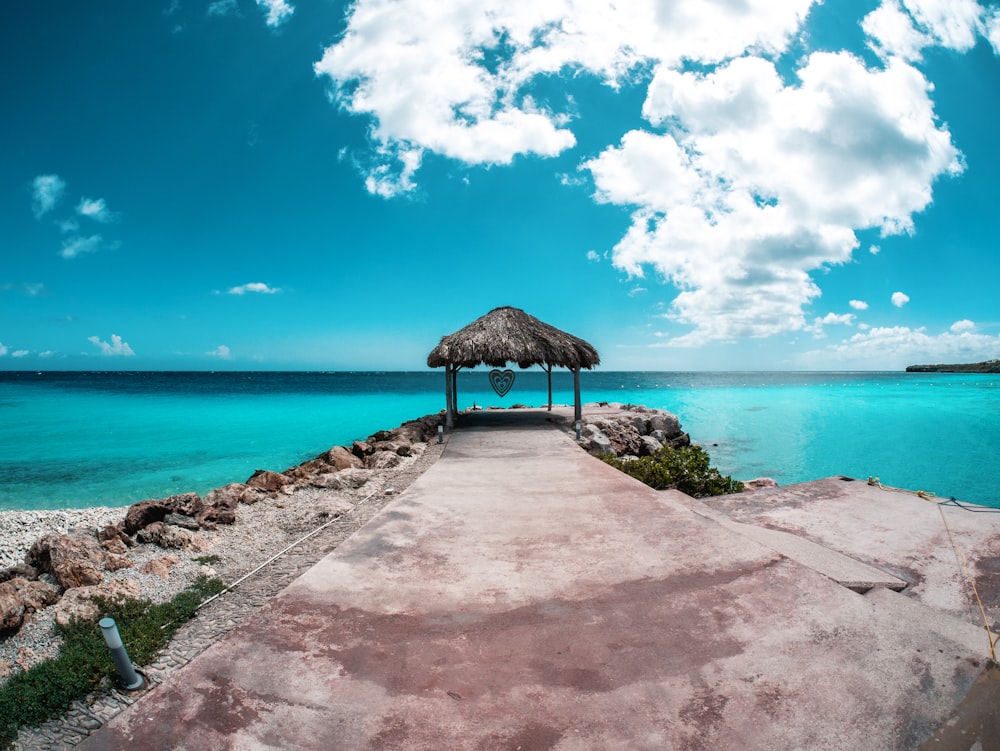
{"points": [[456, 78], [858, 304], [899, 299], [756, 183], [78, 246], [46, 192], [96, 209], [895, 347], [254, 287], [278, 11], [904, 28], [964, 325], [3, 349], [745, 180], [116, 347], [222, 352]]}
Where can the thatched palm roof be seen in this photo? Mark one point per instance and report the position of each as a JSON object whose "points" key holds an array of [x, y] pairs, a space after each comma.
{"points": [[510, 335]]}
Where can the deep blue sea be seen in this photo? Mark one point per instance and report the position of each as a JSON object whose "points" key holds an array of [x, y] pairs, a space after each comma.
{"points": [[75, 439]]}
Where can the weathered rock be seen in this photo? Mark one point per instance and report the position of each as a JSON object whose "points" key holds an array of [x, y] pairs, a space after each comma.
{"points": [[270, 482], [181, 520], [329, 480], [37, 594], [347, 479], [115, 547], [22, 570], [595, 440], [383, 460], [144, 513], [341, 458], [226, 499], [78, 603], [115, 532], [74, 560], [160, 566], [115, 562], [187, 504], [667, 422], [361, 449], [759, 483], [623, 436], [168, 536], [11, 607], [648, 445]]}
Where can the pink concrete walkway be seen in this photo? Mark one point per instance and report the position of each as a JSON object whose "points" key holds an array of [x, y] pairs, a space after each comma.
{"points": [[524, 595]]}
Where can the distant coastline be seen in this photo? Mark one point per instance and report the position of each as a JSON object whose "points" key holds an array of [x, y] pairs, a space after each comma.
{"points": [[990, 366]]}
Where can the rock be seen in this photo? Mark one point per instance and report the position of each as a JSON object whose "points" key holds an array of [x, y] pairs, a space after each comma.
{"points": [[37, 595], [115, 562], [667, 422], [623, 436], [187, 504], [361, 449], [383, 460], [594, 440], [648, 445], [11, 607], [349, 479], [160, 566], [181, 520], [270, 482], [144, 513], [117, 533], [226, 499], [342, 458], [115, 547], [78, 603], [167, 536], [329, 480], [6, 669], [759, 483], [22, 570], [74, 560]]}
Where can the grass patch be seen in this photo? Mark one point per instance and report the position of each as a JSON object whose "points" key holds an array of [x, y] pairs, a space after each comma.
{"points": [[685, 469], [207, 560], [47, 690]]}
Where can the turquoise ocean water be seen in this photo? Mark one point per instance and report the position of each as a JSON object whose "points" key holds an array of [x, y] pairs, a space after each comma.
{"points": [[82, 439]]}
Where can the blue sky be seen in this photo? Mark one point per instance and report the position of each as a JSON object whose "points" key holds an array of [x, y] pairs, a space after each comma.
{"points": [[323, 185]]}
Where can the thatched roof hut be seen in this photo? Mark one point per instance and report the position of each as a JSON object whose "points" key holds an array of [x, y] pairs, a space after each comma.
{"points": [[507, 335]]}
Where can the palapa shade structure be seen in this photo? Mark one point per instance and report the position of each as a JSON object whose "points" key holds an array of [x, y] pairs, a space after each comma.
{"points": [[506, 335]]}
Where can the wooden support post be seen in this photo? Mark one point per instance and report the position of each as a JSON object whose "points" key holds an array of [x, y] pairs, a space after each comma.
{"points": [[578, 407], [549, 367], [454, 387], [449, 418]]}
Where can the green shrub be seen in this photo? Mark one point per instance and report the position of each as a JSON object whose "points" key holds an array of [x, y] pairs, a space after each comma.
{"points": [[48, 689], [685, 469]]}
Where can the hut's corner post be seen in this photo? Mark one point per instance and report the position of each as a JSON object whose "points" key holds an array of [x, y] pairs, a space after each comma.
{"points": [[577, 406], [548, 367], [449, 419]]}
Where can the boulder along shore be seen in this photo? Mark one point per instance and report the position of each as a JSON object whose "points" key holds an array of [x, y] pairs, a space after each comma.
{"points": [[53, 562]]}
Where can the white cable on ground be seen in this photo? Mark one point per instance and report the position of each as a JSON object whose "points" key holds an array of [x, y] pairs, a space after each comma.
{"points": [[281, 553]]}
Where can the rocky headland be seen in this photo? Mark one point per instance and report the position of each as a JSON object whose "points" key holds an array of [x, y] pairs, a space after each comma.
{"points": [[989, 366]]}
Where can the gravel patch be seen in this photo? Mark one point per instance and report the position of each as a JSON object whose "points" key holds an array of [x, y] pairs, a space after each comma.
{"points": [[261, 553]]}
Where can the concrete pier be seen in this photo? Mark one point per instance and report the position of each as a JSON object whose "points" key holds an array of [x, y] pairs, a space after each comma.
{"points": [[522, 594]]}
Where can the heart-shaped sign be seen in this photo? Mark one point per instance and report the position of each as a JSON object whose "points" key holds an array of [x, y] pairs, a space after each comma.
{"points": [[501, 381]]}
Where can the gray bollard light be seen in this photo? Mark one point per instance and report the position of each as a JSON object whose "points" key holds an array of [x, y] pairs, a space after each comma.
{"points": [[131, 680], [578, 430], [440, 433]]}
